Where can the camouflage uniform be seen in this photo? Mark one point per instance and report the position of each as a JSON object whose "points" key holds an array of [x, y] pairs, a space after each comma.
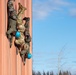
{"points": [[23, 45], [12, 17], [27, 40]]}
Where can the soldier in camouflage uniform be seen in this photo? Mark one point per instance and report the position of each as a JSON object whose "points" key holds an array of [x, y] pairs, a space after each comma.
{"points": [[21, 28], [27, 39], [12, 17], [22, 43]]}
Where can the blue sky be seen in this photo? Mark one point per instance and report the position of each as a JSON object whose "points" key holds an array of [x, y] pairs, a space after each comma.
{"points": [[54, 30]]}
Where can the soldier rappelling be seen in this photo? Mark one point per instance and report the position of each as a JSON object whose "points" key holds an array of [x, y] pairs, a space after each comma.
{"points": [[12, 17]]}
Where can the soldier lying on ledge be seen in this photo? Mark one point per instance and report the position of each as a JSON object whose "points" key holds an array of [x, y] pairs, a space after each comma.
{"points": [[12, 17]]}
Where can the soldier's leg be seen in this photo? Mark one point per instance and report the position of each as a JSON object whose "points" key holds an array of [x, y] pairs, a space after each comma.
{"points": [[20, 11], [20, 7]]}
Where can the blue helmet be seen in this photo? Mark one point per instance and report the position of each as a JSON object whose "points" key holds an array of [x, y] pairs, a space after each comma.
{"points": [[29, 55], [17, 35]]}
